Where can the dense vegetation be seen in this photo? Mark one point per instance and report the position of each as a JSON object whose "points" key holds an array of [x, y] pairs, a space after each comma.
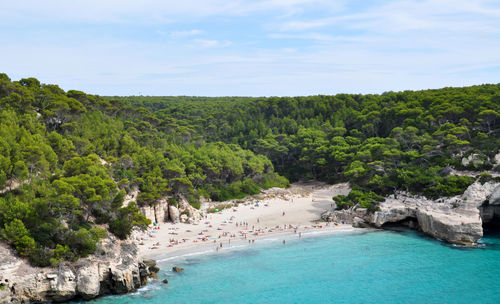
{"points": [[397, 140], [69, 159]]}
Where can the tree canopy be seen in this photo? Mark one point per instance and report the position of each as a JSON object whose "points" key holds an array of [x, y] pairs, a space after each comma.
{"points": [[68, 159]]}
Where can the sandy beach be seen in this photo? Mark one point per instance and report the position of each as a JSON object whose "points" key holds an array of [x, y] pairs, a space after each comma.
{"points": [[276, 213]]}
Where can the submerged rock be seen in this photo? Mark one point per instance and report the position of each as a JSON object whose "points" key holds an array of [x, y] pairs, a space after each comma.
{"points": [[177, 269]]}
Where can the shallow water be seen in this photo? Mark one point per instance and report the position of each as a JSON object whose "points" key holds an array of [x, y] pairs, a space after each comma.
{"points": [[374, 267]]}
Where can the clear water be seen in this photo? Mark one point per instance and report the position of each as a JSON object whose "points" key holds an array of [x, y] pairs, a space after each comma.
{"points": [[374, 267]]}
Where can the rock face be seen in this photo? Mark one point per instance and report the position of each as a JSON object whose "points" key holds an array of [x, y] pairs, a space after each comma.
{"points": [[456, 220], [173, 213], [191, 213], [163, 212], [475, 160], [490, 209], [157, 213], [118, 270]]}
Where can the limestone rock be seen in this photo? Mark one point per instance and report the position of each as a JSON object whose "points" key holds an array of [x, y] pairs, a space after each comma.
{"points": [[173, 213], [494, 197], [149, 213], [161, 210], [149, 262], [475, 160], [177, 269], [192, 213], [87, 286], [63, 287], [131, 196], [119, 270], [456, 220], [497, 158], [154, 269], [360, 223]]}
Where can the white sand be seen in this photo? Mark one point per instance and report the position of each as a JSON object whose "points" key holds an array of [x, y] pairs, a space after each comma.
{"points": [[301, 204]]}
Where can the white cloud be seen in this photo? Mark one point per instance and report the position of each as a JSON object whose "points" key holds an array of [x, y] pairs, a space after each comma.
{"points": [[206, 43], [184, 34], [140, 12], [286, 49]]}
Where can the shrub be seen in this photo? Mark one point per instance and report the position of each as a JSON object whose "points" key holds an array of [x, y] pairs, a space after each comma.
{"points": [[82, 242]]}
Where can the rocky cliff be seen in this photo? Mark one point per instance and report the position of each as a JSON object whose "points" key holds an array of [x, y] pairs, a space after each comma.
{"points": [[457, 220], [116, 268], [162, 212]]}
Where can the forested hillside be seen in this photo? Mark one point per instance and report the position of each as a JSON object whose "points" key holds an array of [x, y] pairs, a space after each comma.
{"points": [[405, 140], [68, 160]]}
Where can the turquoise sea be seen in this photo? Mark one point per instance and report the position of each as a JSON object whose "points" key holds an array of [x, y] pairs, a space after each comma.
{"points": [[373, 267]]}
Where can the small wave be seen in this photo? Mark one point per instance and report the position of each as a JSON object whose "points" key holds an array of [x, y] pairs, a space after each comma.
{"points": [[175, 257]]}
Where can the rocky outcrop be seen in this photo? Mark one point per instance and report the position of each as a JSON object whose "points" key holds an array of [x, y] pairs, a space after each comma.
{"points": [[174, 213], [162, 211], [188, 212], [456, 220], [347, 216], [158, 213], [490, 209], [118, 268], [475, 160], [177, 269]]}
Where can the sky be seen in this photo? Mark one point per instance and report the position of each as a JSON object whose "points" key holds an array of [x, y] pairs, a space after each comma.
{"points": [[251, 47]]}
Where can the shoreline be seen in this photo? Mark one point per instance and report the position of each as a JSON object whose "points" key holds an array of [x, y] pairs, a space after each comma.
{"points": [[276, 213], [277, 237]]}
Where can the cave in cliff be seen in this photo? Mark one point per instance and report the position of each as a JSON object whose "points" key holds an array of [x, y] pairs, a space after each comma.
{"points": [[490, 215], [408, 222]]}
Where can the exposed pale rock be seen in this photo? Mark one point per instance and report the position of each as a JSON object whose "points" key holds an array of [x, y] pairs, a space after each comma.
{"points": [[173, 213], [161, 210], [497, 158], [358, 222], [494, 197], [456, 220], [119, 270], [149, 262], [87, 285], [149, 213], [475, 160], [131, 196], [193, 214]]}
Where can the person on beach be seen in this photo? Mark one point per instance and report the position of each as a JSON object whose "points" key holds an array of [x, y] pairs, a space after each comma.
{"points": [[283, 213], [284, 242]]}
